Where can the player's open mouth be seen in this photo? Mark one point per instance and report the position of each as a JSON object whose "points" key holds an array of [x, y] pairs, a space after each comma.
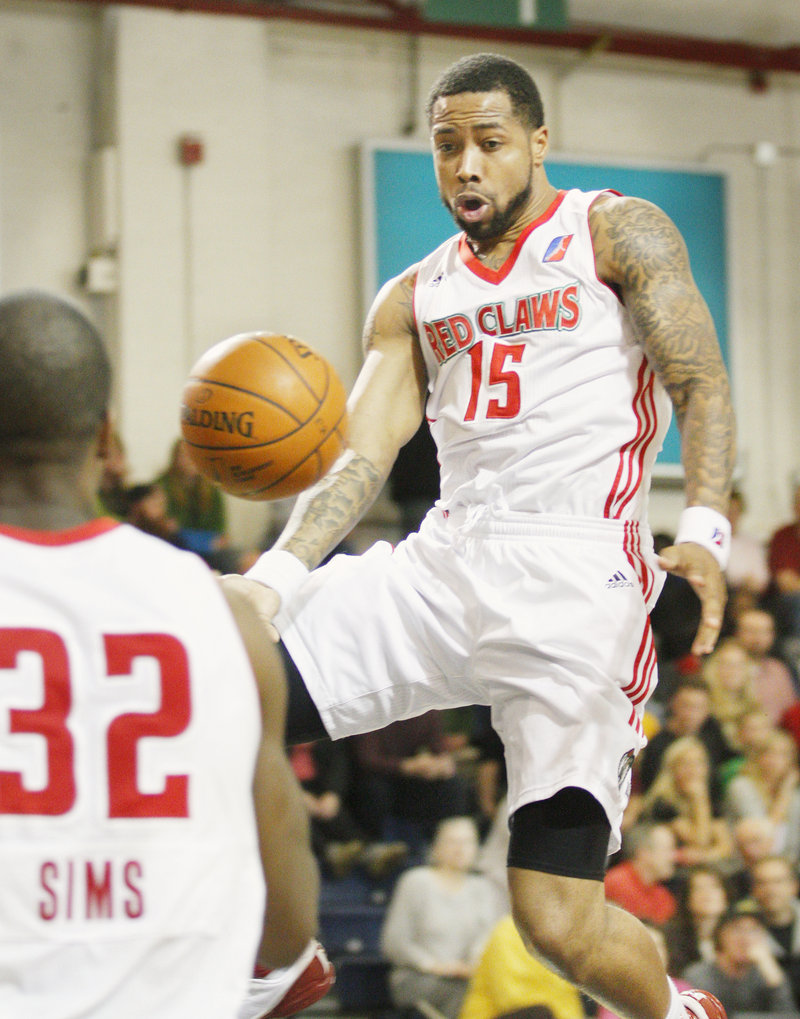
{"points": [[471, 207]]}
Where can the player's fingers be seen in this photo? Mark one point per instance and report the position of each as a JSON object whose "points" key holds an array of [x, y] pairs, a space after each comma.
{"points": [[712, 601]]}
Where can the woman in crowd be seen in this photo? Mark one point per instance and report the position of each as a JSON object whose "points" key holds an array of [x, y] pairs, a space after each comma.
{"points": [[682, 796], [768, 785], [438, 920]]}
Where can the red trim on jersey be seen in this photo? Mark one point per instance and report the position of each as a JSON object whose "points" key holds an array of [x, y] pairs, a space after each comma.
{"points": [[72, 535], [643, 668], [474, 264], [632, 453]]}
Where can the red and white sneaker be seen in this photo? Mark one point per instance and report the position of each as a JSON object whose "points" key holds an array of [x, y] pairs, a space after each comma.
{"points": [[277, 993], [702, 1005]]}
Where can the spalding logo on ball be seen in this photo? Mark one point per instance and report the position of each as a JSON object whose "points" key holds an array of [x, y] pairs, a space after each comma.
{"points": [[264, 416]]}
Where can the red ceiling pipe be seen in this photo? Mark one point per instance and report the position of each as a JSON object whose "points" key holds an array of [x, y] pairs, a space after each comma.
{"points": [[394, 16]]}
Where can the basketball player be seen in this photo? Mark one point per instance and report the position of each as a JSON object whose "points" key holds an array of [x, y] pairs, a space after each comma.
{"points": [[144, 791], [545, 343]]}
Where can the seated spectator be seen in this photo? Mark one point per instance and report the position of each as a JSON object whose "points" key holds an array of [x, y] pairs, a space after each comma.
{"points": [[508, 980], [637, 884], [775, 892], [404, 771], [773, 680], [112, 494], [689, 714], [437, 922], [747, 573], [682, 797], [754, 728], [769, 786], [197, 507], [783, 562], [338, 841], [731, 674], [490, 780], [690, 933], [744, 974], [147, 510], [753, 839]]}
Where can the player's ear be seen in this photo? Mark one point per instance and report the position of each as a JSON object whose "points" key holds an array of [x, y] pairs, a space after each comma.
{"points": [[540, 141]]}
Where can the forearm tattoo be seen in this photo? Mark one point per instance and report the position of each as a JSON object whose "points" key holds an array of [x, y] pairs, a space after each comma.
{"points": [[331, 510]]}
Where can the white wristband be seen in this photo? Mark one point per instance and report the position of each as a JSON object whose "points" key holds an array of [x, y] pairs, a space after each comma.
{"points": [[708, 528], [280, 570]]}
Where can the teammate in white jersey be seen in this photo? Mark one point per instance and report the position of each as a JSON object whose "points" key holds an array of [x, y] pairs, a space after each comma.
{"points": [[144, 791], [546, 343]]}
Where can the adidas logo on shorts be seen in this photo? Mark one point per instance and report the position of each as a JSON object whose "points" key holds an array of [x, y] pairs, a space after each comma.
{"points": [[619, 580]]}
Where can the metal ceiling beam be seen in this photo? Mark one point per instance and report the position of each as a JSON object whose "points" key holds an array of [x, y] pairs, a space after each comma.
{"points": [[395, 16]]}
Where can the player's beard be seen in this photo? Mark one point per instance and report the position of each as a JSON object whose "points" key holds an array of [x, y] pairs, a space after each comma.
{"points": [[501, 220]]}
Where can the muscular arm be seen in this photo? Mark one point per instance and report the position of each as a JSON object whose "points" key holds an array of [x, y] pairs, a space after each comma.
{"points": [[385, 409], [640, 252], [289, 866]]}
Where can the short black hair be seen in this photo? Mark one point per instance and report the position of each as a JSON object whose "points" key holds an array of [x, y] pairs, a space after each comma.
{"points": [[55, 380], [489, 72]]}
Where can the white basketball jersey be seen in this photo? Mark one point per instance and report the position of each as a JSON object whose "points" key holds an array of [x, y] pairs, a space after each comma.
{"points": [[130, 882], [538, 361]]}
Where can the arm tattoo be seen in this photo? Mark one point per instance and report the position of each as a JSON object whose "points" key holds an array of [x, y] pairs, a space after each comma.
{"points": [[645, 256], [330, 510]]}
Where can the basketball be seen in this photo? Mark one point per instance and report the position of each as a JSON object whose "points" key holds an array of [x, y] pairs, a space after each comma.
{"points": [[263, 416]]}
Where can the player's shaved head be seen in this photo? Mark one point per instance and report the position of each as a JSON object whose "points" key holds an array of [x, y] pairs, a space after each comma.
{"points": [[55, 380]]}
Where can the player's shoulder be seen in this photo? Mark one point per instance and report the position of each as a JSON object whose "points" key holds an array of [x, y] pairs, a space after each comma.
{"points": [[625, 215]]}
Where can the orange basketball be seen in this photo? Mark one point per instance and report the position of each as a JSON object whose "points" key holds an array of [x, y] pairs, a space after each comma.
{"points": [[263, 415]]}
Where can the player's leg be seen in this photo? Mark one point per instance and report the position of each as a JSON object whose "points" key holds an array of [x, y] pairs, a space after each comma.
{"points": [[556, 865]]}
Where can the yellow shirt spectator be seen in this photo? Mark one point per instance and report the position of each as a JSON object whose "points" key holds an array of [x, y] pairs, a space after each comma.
{"points": [[508, 978]]}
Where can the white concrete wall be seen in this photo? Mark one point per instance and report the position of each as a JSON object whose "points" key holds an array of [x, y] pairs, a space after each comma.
{"points": [[264, 233]]}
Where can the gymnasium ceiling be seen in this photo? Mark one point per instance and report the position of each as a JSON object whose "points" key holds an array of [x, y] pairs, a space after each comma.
{"points": [[759, 36]]}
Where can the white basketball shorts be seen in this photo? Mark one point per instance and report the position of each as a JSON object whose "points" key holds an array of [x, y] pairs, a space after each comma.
{"points": [[545, 619]]}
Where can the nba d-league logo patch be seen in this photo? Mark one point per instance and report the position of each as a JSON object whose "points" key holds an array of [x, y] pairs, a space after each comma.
{"points": [[557, 248]]}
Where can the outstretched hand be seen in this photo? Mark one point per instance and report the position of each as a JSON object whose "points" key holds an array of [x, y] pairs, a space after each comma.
{"points": [[264, 600], [697, 565]]}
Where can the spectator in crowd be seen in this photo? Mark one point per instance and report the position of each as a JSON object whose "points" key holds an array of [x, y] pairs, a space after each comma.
{"points": [[197, 508], [637, 884], [403, 771], [508, 980], [775, 891], [747, 573], [774, 683], [744, 974], [753, 730], [438, 920], [690, 933], [768, 785], [339, 842], [783, 561], [674, 619], [682, 797], [112, 495], [147, 510], [753, 839], [689, 714], [730, 675]]}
